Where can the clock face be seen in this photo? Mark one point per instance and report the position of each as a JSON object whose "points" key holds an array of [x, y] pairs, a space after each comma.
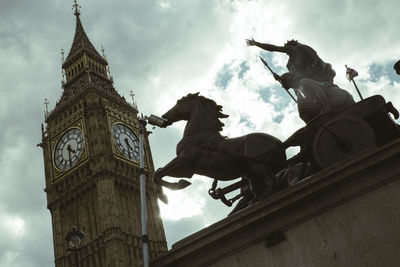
{"points": [[69, 149], [126, 141]]}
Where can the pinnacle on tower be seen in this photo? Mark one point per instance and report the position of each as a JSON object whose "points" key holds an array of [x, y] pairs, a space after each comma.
{"points": [[76, 8], [81, 42]]}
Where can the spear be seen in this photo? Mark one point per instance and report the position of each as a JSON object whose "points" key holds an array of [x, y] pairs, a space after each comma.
{"points": [[277, 77]]}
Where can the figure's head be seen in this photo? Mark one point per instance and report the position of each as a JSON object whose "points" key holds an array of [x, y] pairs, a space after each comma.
{"points": [[289, 80], [397, 67], [292, 43]]}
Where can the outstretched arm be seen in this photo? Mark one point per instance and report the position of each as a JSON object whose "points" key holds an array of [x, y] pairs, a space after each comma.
{"points": [[268, 47]]}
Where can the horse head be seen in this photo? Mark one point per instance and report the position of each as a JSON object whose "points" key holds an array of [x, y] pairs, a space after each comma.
{"points": [[208, 111], [182, 109]]}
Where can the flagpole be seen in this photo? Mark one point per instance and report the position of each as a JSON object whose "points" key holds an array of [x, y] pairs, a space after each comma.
{"points": [[350, 73], [358, 91]]}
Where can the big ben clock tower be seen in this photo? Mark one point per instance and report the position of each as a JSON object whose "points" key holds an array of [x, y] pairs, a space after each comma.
{"points": [[90, 148]]}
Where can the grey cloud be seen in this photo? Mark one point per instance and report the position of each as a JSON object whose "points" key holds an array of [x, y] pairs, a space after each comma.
{"points": [[384, 70], [175, 230], [348, 29], [224, 76], [243, 69], [142, 40]]}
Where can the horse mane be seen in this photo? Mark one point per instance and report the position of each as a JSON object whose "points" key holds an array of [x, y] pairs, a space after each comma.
{"points": [[214, 109]]}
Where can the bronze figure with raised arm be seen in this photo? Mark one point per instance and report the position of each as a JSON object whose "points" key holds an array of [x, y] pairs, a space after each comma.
{"points": [[303, 61]]}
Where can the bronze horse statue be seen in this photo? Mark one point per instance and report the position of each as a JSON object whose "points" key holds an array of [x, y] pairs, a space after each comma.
{"points": [[203, 150]]}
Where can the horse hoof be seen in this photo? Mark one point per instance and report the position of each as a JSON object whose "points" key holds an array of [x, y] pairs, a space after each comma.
{"points": [[183, 184], [163, 197]]}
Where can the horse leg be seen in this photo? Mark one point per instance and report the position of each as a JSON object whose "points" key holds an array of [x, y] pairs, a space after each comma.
{"points": [[176, 168], [160, 194], [246, 199]]}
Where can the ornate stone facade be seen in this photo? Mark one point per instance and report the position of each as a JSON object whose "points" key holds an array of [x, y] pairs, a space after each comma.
{"points": [[99, 190]]}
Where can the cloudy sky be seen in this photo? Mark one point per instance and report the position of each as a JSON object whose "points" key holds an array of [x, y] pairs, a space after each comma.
{"points": [[163, 50]]}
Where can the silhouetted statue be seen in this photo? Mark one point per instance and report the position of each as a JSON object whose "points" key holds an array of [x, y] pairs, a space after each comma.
{"points": [[397, 67], [315, 98], [303, 61], [203, 150]]}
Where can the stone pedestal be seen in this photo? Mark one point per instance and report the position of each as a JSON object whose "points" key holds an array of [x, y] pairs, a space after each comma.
{"points": [[345, 215]]}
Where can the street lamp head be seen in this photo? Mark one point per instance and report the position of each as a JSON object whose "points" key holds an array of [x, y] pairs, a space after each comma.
{"points": [[158, 121], [74, 238], [74, 242]]}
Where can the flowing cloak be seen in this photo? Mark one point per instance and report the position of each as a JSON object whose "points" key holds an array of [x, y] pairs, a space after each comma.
{"points": [[314, 98]]}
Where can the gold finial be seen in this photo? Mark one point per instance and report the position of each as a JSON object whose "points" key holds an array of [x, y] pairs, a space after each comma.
{"points": [[109, 72], [133, 96], [62, 56], [76, 8], [103, 52], [62, 70], [133, 100], [46, 112], [43, 131]]}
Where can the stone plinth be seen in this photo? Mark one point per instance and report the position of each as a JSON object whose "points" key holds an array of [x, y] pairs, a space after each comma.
{"points": [[345, 215]]}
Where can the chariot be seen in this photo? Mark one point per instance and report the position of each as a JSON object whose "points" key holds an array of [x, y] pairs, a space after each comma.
{"points": [[330, 138], [335, 136]]}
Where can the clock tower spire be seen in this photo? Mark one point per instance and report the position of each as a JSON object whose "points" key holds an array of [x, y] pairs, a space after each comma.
{"points": [[91, 160], [76, 7]]}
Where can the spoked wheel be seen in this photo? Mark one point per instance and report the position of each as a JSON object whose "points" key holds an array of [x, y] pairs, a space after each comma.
{"points": [[340, 138]]}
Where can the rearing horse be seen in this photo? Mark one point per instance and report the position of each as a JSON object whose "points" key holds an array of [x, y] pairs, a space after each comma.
{"points": [[203, 150]]}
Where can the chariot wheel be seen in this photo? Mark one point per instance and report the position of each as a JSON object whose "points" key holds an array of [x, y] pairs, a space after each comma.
{"points": [[340, 138]]}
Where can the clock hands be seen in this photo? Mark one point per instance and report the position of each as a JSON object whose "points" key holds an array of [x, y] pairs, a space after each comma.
{"points": [[70, 150], [126, 141], [129, 147]]}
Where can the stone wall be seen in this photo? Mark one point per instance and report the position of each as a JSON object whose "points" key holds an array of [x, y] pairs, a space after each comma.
{"points": [[345, 215]]}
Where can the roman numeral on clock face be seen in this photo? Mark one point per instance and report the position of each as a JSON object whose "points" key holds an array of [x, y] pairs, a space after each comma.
{"points": [[69, 149], [126, 141]]}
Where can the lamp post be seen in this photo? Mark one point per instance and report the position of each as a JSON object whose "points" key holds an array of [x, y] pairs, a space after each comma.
{"points": [[145, 237], [74, 241], [160, 122]]}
